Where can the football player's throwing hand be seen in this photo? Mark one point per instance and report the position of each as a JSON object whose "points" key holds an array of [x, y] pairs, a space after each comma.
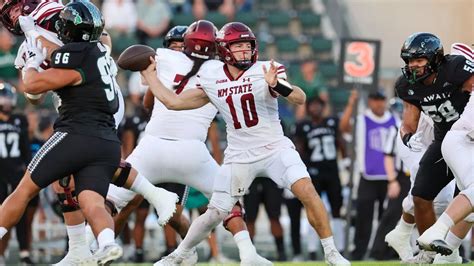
{"points": [[270, 74]]}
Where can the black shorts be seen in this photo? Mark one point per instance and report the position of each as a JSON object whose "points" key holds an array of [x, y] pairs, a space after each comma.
{"points": [[91, 160], [433, 174], [180, 189], [263, 190], [329, 182]]}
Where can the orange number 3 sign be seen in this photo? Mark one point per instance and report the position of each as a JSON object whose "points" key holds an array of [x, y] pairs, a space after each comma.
{"points": [[363, 65]]}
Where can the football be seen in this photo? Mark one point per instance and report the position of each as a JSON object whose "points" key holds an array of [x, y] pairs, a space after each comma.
{"points": [[136, 57]]}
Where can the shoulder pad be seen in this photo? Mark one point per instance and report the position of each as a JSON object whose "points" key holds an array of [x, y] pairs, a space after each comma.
{"points": [[458, 69], [74, 47]]}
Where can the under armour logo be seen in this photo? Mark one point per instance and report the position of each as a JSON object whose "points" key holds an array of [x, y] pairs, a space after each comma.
{"points": [[31, 54], [246, 80], [411, 92]]}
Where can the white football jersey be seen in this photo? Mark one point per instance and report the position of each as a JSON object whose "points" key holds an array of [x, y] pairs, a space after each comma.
{"points": [[466, 121], [249, 107], [171, 67]]}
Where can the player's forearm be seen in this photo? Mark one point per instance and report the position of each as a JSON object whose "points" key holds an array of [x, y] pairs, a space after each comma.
{"points": [[411, 116], [345, 122], [297, 96], [34, 82]]}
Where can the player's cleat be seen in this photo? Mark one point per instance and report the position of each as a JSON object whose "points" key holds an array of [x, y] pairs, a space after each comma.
{"points": [[255, 260], [454, 258], [441, 247], [423, 257], [335, 258], [76, 256], [107, 254], [139, 255], [175, 258], [165, 204], [25, 261], [192, 259], [400, 242], [431, 240]]}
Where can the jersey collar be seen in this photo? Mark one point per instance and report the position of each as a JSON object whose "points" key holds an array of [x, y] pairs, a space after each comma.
{"points": [[229, 76]]}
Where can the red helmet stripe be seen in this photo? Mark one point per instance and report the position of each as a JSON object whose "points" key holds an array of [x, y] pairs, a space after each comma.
{"points": [[46, 8], [48, 13], [38, 8]]}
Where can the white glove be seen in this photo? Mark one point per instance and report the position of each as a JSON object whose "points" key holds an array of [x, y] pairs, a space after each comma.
{"points": [[27, 25], [415, 143], [35, 54]]}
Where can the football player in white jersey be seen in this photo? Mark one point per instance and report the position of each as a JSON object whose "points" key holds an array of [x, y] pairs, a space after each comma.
{"points": [[446, 234], [173, 148], [38, 20], [244, 91]]}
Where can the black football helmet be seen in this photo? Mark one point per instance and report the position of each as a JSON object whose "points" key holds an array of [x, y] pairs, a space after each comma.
{"points": [[80, 21], [176, 34], [12, 9], [7, 97], [422, 45]]}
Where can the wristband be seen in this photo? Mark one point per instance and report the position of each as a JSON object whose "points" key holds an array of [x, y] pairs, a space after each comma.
{"points": [[33, 96], [406, 138], [283, 88]]}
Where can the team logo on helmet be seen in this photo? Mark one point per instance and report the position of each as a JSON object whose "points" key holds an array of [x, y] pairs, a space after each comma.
{"points": [[77, 17]]}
